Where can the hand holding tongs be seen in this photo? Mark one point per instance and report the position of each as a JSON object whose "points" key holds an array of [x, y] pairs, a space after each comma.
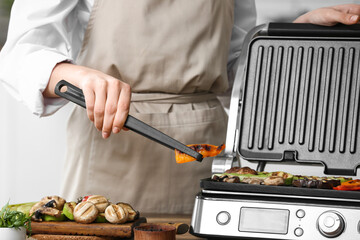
{"points": [[75, 95]]}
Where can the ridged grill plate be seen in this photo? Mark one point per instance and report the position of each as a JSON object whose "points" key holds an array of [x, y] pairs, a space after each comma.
{"points": [[301, 102]]}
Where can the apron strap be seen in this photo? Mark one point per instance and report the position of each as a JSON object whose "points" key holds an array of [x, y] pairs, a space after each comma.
{"points": [[172, 98]]}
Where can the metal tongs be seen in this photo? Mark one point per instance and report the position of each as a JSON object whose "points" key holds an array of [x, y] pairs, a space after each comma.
{"points": [[74, 94]]}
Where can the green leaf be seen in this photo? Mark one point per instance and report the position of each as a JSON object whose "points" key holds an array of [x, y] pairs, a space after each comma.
{"points": [[14, 219]]}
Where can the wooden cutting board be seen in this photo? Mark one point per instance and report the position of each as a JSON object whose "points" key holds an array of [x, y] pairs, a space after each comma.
{"points": [[93, 229], [68, 237]]}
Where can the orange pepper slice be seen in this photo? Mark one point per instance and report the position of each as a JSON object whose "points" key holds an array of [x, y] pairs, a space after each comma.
{"points": [[206, 150], [351, 183]]}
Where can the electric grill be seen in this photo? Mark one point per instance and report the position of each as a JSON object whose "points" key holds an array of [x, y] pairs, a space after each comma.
{"points": [[296, 97]]}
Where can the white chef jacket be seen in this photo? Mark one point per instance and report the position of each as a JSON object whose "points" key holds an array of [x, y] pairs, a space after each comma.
{"points": [[43, 33]]}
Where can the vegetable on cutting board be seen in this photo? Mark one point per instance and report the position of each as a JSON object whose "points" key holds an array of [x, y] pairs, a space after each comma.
{"points": [[10, 218], [68, 210], [88, 209]]}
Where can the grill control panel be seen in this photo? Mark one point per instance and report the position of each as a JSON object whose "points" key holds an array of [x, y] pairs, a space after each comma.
{"points": [[265, 219]]}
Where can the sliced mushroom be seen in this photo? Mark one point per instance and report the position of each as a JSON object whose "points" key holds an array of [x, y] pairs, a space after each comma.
{"points": [[58, 200], [49, 211], [40, 208], [223, 178], [253, 180], [232, 180], [274, 181], [243, 170], [215, 178], [51, 203]]}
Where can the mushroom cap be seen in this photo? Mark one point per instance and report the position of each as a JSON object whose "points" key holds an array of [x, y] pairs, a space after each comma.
{"points": [[116, 214], [100, 202], [85, 212]]}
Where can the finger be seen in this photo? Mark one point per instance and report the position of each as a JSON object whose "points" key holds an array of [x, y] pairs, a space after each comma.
{"points": [[99, 107], [89, 101], [110, 107], [327, 17], [345, 18], [348, 8], [123, 108], [334, 16]]}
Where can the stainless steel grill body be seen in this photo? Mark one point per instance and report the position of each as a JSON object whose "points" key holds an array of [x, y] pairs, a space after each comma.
{"points": [[296, 97]]}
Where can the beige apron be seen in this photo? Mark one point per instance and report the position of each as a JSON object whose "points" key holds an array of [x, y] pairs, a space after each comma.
{"points": [[173, 54]]}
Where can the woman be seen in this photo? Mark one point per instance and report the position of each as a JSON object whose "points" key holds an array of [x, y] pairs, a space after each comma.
{"points": [[162, 61]]}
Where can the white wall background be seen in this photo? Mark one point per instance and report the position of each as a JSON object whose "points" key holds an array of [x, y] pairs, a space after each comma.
{"points": [[32, 150]]}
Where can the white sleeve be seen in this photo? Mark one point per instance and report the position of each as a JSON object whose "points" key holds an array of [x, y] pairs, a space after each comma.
{"points": [[41, 34]]}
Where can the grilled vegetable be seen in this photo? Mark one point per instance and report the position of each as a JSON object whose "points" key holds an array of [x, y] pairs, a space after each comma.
{"points": [[101, 218], [341, 179], [116, 214], [99, 201], [206, 150], [315, 182], [132, 214], [85, 212], [352, 185], [253, 180], [273, 178], [68, 210], [48, 218], [243, 170], [22, 207], [233, 179], [274, 181], [221, 177], [40, 209], [54, 201], [288, 178]]}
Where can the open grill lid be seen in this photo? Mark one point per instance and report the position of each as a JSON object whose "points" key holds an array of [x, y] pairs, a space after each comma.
{"points": [[301, 97]]}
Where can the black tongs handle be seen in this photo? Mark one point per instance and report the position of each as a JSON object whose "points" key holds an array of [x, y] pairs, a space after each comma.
{"points": [[75, 95]]}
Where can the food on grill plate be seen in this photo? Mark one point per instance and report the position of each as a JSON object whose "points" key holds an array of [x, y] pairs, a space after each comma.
{"points": [[352, 185], [250, 176], [252, 180], [88, 209], [317, 182], [206, 150], [288, 178], [243, 170], [274, 181]]}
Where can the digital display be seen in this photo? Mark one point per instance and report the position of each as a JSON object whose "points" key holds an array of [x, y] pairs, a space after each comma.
{"points": [[264, 220]]}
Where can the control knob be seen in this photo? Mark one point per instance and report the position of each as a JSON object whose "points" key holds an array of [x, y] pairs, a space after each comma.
{"points": [[331, 224]]}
